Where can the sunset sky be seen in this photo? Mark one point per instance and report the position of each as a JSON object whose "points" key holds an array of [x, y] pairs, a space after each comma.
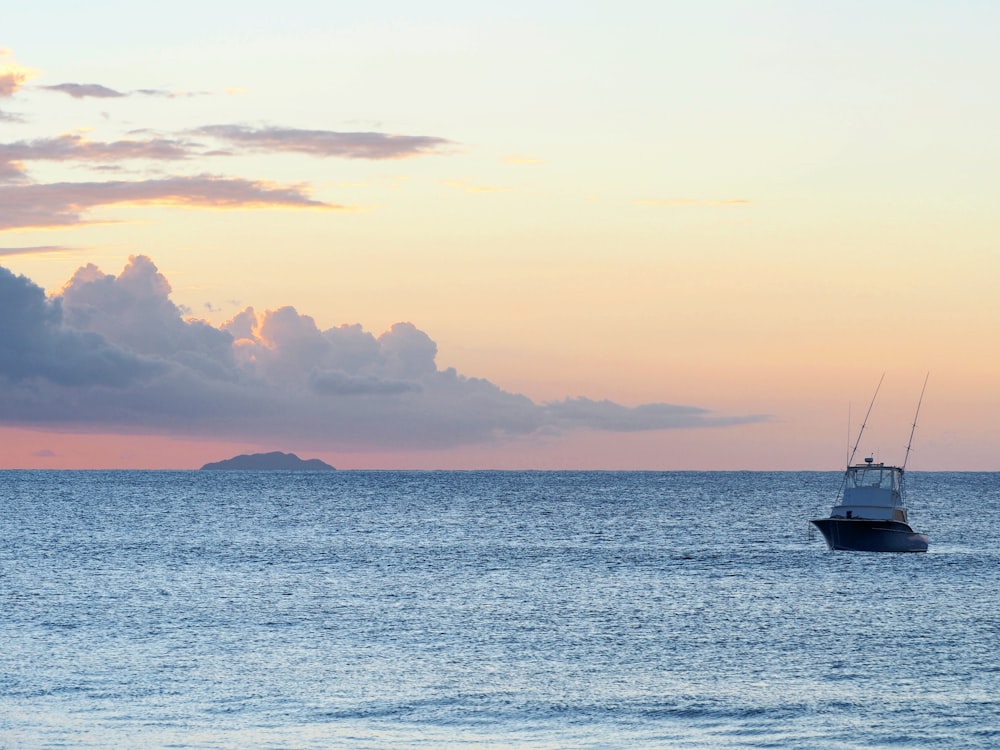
{"points": [[536, 235]]}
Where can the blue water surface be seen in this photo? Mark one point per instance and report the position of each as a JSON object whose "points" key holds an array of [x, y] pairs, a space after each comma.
{"points": [[489, 610]]}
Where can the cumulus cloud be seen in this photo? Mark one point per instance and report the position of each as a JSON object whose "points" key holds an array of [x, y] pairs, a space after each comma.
{"points": [[114, 353], [37, 346], [65, 203], [326, 142]]}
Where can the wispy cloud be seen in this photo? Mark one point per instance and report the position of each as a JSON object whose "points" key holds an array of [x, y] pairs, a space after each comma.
{"points": [[607, 415], [72, 147], [326, 143], [693, 202], [99, 91], [65, 203], [27, 203], [85, 90], [36, 250], [113, 353]]}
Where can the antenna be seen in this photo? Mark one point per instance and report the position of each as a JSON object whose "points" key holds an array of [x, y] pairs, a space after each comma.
{"points": [[914, 428]]}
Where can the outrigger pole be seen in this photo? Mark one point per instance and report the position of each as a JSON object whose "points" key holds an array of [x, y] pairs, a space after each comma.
{"points": [[914, 428], [861, 432], [863, 424]]}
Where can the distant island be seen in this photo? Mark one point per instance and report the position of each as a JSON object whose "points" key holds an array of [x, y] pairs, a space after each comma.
{"points": [[275, 461]]}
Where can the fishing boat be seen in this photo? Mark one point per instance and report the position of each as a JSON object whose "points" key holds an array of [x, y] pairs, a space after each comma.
{"points": [[871, 514]]}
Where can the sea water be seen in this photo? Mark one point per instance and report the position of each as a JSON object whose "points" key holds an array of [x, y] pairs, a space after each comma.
{"points": [[489, 610]]}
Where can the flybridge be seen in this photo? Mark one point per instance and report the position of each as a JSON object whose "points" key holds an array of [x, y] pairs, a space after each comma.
{"points": [[870, 475], [872, 491]]}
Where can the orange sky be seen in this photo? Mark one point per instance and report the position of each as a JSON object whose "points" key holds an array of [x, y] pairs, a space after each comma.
{"points": [[748, 210]]}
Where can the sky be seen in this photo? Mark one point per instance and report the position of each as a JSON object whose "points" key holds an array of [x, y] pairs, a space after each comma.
{"points": [[546, 235]]}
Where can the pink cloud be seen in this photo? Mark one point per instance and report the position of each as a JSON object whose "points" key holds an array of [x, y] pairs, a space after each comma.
{"points": [[70, 147], [65, 203], [11, 80]]}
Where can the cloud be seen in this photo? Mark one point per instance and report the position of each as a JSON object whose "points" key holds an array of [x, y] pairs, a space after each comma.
{"points": [[11, 171], [606, 415], [326, 143], [65, 203], [114, 353], [29, 204], [98, 91], [85, 90], [36, 345], [77, 148], [71, 147], [36, 250], [12, 77]]}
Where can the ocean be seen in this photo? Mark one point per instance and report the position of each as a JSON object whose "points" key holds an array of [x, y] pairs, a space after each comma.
{"points": [[534, 610]]}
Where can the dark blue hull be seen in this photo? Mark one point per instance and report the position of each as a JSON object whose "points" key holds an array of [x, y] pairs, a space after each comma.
{"points": [[863, 535]]}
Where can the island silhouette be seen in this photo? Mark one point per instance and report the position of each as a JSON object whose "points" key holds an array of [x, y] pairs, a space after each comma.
{"points": [[274, 461]]}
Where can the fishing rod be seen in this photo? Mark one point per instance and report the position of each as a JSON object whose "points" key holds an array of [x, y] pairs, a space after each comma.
{"points": [[865, 423], [914, 428], [861, 432]]}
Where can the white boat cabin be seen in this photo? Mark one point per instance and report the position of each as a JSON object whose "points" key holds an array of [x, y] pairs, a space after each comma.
{"points": [[872, 491]]}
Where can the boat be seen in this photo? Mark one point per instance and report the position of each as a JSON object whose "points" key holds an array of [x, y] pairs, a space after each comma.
{"points": [[871, 515]]}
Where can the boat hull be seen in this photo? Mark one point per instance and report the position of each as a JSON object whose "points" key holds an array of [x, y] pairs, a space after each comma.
{"points": [[864, 535]]}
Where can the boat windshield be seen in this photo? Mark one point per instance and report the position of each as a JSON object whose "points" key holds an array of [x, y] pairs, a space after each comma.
{"points": [[872, 475]]}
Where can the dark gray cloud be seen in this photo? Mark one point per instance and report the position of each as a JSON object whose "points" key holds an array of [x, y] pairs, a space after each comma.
{"points": [[65, 203], [114, 353], [36, 345], [326, 142]]}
